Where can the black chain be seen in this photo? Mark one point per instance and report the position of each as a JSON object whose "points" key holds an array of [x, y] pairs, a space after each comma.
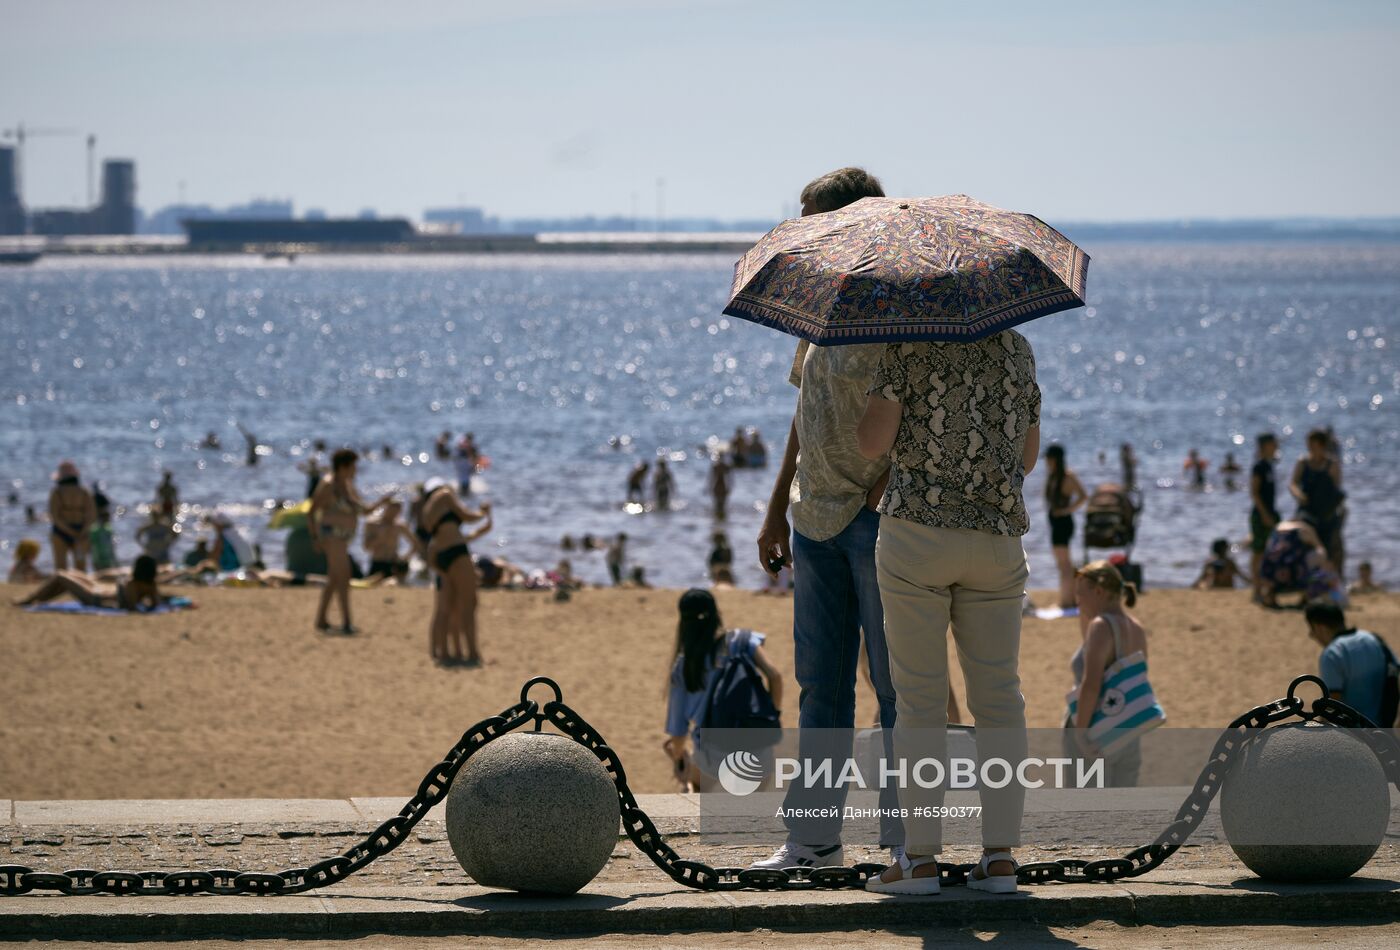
{"points": [[17, 879]]}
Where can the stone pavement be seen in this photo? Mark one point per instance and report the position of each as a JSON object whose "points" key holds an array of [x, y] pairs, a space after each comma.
{"points": [[419, 888]]}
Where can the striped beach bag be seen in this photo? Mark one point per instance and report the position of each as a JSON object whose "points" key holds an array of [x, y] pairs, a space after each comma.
{"points": [[1127, 706]]}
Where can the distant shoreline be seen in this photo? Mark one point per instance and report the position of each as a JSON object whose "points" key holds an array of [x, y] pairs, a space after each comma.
{"points": [[1283, 231]]}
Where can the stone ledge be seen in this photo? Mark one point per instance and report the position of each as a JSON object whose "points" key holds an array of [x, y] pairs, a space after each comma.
{"points": [[659, 906]]}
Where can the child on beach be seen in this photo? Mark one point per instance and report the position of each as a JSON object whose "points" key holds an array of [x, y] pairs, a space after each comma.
{"points": [[25, 570], [1220, 572], [1366, 583], [101, 542], [703, 646]]}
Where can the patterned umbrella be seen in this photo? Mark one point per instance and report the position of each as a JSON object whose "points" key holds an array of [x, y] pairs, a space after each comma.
{"points": [[889, 270]]}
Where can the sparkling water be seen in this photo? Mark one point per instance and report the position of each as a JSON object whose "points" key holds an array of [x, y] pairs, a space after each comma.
{"points": [[571, 368]]}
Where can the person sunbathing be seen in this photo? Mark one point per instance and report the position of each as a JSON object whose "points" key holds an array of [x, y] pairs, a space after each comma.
{"points": [[137, 592]]}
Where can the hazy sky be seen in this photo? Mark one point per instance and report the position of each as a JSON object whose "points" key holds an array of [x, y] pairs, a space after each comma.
{"points": [[1106, 110]]}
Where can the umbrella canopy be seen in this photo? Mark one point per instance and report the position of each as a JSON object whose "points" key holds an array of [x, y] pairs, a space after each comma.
{"points": [[895, 270]]}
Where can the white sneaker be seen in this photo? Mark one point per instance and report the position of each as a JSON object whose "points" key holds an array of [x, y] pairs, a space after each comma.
{"points": [[800, 856]]}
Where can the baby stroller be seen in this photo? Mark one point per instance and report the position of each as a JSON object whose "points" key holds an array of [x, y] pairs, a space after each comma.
{"points": [[1110, 521]]}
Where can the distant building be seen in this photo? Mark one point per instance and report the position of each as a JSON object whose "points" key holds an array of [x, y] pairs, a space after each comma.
{"points": [[168, 219], [116, 214], [232, 233], [315, 214], [11, 210], [463, 220]]}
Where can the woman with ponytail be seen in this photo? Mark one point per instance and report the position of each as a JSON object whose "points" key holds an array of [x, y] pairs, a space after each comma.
{"points": [[1110, 633], [702, 647]]}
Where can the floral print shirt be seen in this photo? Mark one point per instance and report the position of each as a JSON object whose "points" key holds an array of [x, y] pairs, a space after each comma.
{"points": [[832, 477], [956, 460]]}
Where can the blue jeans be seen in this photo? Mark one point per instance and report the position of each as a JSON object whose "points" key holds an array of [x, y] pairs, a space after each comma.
{"points": [[835, 598]]}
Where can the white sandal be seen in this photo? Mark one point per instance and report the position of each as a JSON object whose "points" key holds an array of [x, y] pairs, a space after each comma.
{"points": [[907, 882], [993, 883]]}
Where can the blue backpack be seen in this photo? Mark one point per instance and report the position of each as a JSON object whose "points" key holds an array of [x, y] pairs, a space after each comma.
{"points": [[739, 699]]}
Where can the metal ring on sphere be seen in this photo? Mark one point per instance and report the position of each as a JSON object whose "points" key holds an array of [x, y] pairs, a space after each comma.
{"points": [[558, 694]]}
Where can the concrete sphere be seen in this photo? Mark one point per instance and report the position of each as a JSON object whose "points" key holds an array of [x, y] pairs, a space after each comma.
{"points": [[1305, 802], [533, 812]]}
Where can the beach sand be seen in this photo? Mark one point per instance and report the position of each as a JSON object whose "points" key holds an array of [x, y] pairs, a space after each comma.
{"points": [[240, 698]]}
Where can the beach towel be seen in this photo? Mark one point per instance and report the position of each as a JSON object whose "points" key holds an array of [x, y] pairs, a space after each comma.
{"points": [[1055, 613], [73, 607]]}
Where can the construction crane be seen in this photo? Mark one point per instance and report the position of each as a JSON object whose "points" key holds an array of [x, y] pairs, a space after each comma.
{"points": [[21, 132]]}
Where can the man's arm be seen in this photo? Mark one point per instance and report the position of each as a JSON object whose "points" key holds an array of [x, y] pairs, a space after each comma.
{"points": [[877, 429], [1295, 484], [775, 537], [1266, 516]]}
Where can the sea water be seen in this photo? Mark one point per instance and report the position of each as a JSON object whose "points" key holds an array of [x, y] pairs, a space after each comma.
{"points": [[571, 368]]}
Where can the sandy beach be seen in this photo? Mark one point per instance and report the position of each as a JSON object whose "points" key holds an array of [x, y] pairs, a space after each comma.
{"points": [[240, 698]]}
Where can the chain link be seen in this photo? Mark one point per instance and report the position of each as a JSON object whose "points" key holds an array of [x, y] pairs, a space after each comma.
{"points": [[639, 828]]}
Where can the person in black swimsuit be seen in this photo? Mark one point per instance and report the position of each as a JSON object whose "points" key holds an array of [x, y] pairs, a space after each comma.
{"points": [[1317, 486], [72, 512], [1064, 494], [452, 635]]}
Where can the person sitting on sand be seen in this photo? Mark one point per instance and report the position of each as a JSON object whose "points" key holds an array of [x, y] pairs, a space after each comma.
{"points": [[1366, 583], [562, 577], [25, 570], [382, 536], [200, 555], [1220, 572], [703, 646], [136, 593], [72, 513]]}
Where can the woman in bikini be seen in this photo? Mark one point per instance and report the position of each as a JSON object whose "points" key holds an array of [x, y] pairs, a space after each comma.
{"points": [[72, 512], [335, 514], [452, 638], [136, 593]]}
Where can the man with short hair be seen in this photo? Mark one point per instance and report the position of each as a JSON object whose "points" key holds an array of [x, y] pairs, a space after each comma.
{"points": [[1263, 512], [1353, 662], [832, 491]]}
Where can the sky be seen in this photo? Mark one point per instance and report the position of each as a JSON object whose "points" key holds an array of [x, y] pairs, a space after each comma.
{"points": [[1078, 110]]}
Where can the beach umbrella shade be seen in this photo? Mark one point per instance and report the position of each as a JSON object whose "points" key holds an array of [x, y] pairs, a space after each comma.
{"points": [[896, 270]]}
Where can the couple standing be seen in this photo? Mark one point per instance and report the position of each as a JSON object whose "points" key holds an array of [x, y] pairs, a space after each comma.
{"points": [[903, 473]]}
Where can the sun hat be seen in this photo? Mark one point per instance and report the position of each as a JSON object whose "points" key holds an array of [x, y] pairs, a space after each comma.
{"points": [[433, 484], [66, 469]]}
